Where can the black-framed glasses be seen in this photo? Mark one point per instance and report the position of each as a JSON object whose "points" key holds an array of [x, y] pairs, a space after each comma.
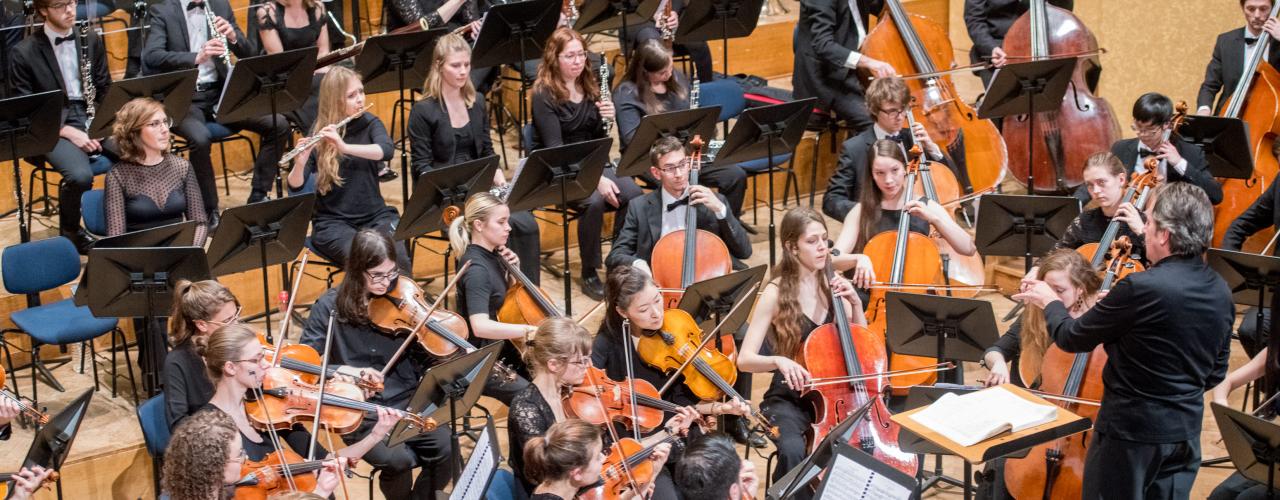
{"points": [[256, 359], [387, 277], [672, 168]]}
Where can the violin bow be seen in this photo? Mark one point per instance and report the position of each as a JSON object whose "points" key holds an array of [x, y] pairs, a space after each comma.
{"points": [[425, 318], [706, 337], [1267, 249], [275, 437], [613, 433], [324, 367], [631, 380], [286, 321]]}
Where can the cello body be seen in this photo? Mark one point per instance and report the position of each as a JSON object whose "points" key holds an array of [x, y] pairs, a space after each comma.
{"points": [[914, 44], [711, 261], [1260, 109], [1083, 124], [921, 264]]}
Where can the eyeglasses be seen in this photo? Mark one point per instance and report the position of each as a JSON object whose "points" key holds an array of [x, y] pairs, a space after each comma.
{"points": [[383, 277], [234, 319], [893, 112], [573, 56], [61, 5], [672, 168], [1146, 131], [166, 122], [256, 359]]}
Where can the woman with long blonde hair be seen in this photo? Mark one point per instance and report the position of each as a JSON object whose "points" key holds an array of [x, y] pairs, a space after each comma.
{"points": [[345, 169]]}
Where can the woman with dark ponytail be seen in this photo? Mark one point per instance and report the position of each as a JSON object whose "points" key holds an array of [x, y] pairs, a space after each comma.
{"points": [[199, 308], [564, 460]]}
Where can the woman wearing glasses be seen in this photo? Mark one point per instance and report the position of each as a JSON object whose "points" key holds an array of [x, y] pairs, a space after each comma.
{"points": [[150, 186], [198, 309]]}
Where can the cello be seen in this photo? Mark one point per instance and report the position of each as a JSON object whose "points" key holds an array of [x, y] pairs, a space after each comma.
{"points": [[1256, 101], [701, 257], [1138, 192], [842, 350], [1082, 124], [913, 44]]}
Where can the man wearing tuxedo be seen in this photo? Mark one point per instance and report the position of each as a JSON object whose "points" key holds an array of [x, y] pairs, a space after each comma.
{"points": [[1231, 51], [887, 100], [178, 39], [827, 58], [50, 60], [662, 211], [987, 22]]}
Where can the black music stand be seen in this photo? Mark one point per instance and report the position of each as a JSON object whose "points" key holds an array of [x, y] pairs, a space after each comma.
{"points": [[947, 328], [1252, 443], [436, 190], [53, 441], [1023, 225], [172, 89], [178, 234], [850, 464], [708, 301], [447, 392], [759, 133], [1225, 142], [682, 125], [385, 64], [560, 176], [279, 83], [259, 235], [790, 484], [1025, 88], [511, 34], [138, 283], [718, 20], [28, 127], [601, 15]]}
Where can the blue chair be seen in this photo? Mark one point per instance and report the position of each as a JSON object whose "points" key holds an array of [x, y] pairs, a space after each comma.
{"points": [[40, 170], [94, 212], [504, 486], [31, 268], [155, 432], [728, 94]]}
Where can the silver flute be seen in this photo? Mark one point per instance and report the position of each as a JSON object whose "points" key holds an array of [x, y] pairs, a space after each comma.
{"points": [[306, 143]]}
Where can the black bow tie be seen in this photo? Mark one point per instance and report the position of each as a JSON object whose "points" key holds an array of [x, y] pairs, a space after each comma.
{"points": [[1143, 153], [58, 40], [195, 5], [677, 204], [1248, 42]]}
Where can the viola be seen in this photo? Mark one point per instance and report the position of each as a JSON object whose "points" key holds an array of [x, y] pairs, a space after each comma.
{"points": [[25, 406], [404, 307], [906, 257], [842, 350], [913, 44], [1083, 123], [1256, 101], [268, 477], [305, 361], [628, 465], [287, 400], [687, 256], [599, 400], [708, 373]]}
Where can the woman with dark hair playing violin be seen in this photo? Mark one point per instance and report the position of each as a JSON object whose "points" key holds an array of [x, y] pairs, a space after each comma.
{"points": [[793, 304]]}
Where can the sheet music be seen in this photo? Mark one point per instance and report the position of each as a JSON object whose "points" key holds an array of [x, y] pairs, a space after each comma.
{"points": [[479, 470], [848, 479]]}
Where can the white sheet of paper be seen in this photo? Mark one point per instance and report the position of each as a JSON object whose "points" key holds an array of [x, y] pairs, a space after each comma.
{"points": [[848, 480]]}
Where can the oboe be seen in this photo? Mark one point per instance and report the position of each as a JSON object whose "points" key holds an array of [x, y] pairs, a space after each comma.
{"points": [[217, 35], [695, 88], [88, 91], [605, 94], [305, 144]]}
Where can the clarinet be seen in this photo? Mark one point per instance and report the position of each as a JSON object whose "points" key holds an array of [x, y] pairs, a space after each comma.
{"points": [[605, 94], [695, 88], [88, 91], [217, 35]]}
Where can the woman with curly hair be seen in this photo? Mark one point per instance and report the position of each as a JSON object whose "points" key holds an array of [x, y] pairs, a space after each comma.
{"points": [[204, 455]]}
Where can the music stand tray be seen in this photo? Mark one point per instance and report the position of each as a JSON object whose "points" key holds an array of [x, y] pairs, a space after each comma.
{"points": [[718, 20], [278, 83], [1027, 226], [709, 300], [514, 32], [173, 89], [1252, 443], [384, 56], [683, 125], [1225, 142], [178, 234], [28, 127], [807, 470], [440, 188]]}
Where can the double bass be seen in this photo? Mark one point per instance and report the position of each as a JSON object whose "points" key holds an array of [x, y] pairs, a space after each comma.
{"points": [[913, 44], [1082, 124]]}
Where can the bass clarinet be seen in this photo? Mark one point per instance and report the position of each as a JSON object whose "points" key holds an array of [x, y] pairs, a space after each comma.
{"points": [[305, 144]]}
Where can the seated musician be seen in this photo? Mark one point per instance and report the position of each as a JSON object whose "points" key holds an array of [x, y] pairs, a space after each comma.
{"points": [[827, 60], [345, 167], [1180, 161], [567, 108], [449, 125], [711, 469], [567, 458], [198, 309], [652, 86], [882, 202], [699, 51], [558, 356], [361, 350], [664, 210], [150, 186], [206, 455], [1262, 214], [987, 22], [178, 39], [887, 100], [295, 24], [76, 155], [1230, 51], [1262, 366], [791, 306], [451, 14]]}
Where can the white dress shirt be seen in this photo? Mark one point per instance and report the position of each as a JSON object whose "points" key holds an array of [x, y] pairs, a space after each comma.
{"points": [[197, 35], [1140, 168], [854, 55], [68, 62]]}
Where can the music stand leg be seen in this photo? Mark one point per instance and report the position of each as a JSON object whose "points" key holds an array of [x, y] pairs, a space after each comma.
{"points": [[968, 480], [769, 205], [266, 290], [564, 227], [404, 153]]}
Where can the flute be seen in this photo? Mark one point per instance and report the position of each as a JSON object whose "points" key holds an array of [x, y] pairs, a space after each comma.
{"points": [[305, 144]]}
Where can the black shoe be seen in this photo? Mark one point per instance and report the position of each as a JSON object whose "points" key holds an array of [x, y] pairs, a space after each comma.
{"points": [[737, 428], [738, 265], [592, 286], [213, 219], [387, 173], [81, 240], [256, 197], [750, 229]]}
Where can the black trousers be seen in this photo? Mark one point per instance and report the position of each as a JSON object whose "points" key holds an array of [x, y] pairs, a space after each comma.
{"points": [[1238, 487], [430, 451], [193, 129], [793, 422], [76, 169], [1250, 338], [1122, 469], [332, 237], [526, 241], [591, 222]]}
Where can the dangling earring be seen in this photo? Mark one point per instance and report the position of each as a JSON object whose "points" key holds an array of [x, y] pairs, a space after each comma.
{"points": [[1079, 304]]}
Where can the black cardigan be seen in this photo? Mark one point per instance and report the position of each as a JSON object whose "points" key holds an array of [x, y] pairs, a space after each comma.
{"points": [[431, 134]]}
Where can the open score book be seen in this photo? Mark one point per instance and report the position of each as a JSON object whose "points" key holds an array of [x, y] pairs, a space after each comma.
{"points": [[978, 416]]}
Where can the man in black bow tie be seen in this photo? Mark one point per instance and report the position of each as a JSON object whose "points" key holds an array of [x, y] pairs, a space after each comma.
{"points": [[1230, 53], [662, 211]]}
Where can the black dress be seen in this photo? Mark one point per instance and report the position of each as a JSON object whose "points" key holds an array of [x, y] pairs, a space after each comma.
{"points": [[482, 290], [141, 197], [1009, 345], [298, 38], [530, 416], [786, 410], [889, 222], [187, 387]]}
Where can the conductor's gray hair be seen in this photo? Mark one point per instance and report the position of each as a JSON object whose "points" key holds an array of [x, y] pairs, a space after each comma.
{"points": [[1183, 209]]}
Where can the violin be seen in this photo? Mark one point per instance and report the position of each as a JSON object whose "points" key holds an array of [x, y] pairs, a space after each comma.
{"points": [[268, 477], [26, 407], [906, 257], [708, 373], [1082, 124], [628, 465], [293, 400], [700, 253], [404, 306], [913, 44], [305, 361], [842, 350], [599, 400]]}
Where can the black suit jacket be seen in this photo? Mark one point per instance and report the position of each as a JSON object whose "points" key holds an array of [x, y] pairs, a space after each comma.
{"points": [[1167, 333], [35, 69], [643, 226], [823, 40], [168, 47], [989, 20], [845, 186], [1260, 215], [431, 134], [1225, 68], [1197, 168]]}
